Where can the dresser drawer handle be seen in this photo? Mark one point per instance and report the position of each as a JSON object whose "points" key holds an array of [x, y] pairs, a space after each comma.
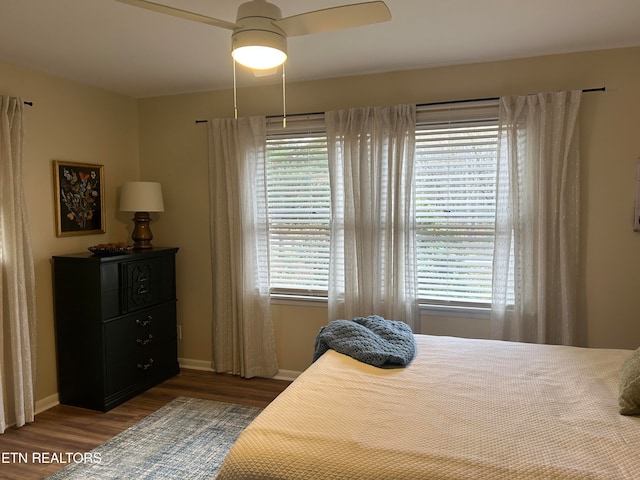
{"points": [[141, 290], [141, 278], [146, 341], [146, 366], [144, 323]]}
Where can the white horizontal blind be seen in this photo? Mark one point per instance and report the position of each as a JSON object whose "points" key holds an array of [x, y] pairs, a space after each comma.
{"points": [[456, 149], [298, 199]]}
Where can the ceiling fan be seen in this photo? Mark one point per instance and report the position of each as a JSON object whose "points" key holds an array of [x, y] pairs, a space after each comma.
{"points": [[259, 34]]}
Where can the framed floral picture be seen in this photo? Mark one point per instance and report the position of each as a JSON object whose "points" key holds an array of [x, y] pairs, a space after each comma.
{"points": [[79, 190]]}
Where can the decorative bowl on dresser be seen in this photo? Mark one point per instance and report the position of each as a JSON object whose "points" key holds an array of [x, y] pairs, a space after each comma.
{"points": [[116, 333]]}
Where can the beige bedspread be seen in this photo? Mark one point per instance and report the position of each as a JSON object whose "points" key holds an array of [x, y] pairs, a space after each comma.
{"points": [[463, 409]]}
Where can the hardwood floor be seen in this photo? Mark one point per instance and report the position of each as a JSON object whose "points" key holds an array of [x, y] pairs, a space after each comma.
{"points": [[64, 429]]}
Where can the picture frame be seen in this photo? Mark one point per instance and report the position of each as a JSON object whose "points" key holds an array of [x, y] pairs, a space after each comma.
{"points": [[79, 198]]}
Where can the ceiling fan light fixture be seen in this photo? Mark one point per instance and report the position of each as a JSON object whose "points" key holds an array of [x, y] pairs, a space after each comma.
{"points": [[259, 57], [259, 49]]}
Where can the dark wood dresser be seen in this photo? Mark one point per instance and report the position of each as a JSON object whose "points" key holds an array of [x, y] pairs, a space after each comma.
{"points": [[115, 319]]}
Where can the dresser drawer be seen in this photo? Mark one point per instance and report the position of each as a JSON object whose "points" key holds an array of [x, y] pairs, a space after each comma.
{"points": [[147, 282], [140, 283], [139, 332], [139, 369]]}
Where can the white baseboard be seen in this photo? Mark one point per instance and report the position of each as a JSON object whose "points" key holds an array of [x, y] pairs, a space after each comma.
{"points": [[47, 402], [191, 364], [289, 375]]}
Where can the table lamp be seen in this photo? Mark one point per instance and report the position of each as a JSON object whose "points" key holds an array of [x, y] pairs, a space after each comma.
{"points": [[141, 198]]}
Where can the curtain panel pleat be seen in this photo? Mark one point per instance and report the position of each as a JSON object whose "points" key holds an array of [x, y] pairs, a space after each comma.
{"points": [[372, 266], [17, 278], [537, 215], [242, 328]]}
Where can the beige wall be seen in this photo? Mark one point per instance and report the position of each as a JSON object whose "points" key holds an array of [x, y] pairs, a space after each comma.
{"points": [[74, 123], [158, 139], [173, 150]]}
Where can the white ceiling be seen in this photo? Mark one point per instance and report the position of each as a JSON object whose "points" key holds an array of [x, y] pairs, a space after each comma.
{"points": [[143, 53]]}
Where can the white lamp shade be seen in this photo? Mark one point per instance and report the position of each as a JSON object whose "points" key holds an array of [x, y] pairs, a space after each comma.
{"points": [[141, 197]]}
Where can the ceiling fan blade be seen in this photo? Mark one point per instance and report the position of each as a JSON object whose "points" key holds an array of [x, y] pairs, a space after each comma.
{"points": [[336, 18], [176, 12]]}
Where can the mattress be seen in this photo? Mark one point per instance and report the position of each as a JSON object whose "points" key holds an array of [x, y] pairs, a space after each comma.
{"points": [[463, 409]]}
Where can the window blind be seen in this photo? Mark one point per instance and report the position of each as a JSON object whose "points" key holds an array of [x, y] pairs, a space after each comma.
{"points": [[298, 200], [456, 149]]}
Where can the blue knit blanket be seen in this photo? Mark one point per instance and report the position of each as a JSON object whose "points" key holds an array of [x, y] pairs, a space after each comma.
{"points": [[373, 340]]}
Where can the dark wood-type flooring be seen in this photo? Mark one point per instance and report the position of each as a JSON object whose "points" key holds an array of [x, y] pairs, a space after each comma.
{"points": [[70, 429]]}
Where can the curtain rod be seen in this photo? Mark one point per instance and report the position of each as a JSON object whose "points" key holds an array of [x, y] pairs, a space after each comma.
{"points": [[279, 116], [488, 99], [468, 100]]}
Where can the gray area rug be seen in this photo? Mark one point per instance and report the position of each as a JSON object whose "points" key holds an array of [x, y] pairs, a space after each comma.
{"points": [[186, 439]]}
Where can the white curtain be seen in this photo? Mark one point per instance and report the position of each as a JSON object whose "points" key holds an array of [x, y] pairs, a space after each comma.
{"points": [[538, 217], [17, 279], [243, 337], [371, 168]]}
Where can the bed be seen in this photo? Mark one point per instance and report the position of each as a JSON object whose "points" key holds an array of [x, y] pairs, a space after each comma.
{"points": [[462, 409]]}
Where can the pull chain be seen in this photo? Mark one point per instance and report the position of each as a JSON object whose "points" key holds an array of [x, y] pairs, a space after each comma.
{"points": [[235, 94], [284, 100], [284, 96]]}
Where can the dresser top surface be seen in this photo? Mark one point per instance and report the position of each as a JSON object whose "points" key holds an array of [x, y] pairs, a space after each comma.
{"points": [[151, 252]]}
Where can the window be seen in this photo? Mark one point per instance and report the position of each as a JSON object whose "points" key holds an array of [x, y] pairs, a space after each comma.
{"points": [[298, 200], [456, 148]]}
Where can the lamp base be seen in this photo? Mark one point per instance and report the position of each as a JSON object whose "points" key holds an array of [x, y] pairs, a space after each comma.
{"points": [[141, 235]]}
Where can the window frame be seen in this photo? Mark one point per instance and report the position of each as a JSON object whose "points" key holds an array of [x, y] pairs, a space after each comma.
{"points": [[301, 127], [450, 116], [449, 112]]}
